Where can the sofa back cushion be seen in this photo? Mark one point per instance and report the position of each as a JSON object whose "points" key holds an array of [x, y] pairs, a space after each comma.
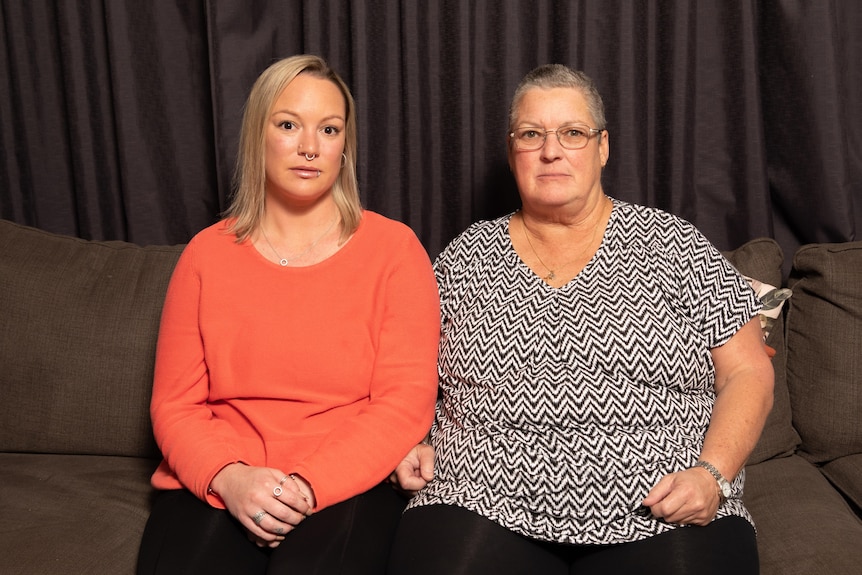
{"points": [[80, 323], [824, 346], [761, 259]]}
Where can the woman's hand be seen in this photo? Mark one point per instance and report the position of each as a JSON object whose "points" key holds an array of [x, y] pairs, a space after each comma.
{"points": [[415, 470], [689, 497], [743, 385], [267, 502]]}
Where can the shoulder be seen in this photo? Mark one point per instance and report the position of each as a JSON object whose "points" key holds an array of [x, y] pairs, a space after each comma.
{"points": [[650, 223], [386, 240], [217, 234], [646, 229], [485, 228], [384, 234], [482, 236], [379, 225], [212, 243]]}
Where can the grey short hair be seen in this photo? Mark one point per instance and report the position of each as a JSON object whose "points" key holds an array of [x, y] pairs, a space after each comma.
{"points": [[559, 76]]}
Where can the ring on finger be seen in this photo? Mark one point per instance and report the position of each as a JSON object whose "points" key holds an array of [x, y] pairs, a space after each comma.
{"points": [[278, 490], [258, 517]]}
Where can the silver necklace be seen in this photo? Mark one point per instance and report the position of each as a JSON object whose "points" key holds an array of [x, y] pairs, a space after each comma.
{"points": [[284, 261], [551, 275]]}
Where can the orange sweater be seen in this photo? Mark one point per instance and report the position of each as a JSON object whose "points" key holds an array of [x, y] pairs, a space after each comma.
{"points": [[327, 371]]}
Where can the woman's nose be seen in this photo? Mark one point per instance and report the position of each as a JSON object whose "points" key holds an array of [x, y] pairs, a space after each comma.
{"points": [[551, 147], [307, 143]]}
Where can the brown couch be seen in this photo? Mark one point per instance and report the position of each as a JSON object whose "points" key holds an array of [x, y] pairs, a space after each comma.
{"points": [[80, 321]]}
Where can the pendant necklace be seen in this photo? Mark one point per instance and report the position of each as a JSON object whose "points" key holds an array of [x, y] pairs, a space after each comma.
{"points": [[551, 275], [284, 261]]}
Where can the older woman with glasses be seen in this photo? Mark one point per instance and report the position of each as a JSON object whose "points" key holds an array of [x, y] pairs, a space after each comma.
{"points": [[602, 370]]}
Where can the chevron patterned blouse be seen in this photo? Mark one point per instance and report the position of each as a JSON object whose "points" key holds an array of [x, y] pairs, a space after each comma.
{"points": [[561, 408]]}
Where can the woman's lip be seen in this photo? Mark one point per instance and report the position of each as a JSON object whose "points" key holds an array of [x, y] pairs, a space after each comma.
{"points": [[554, 175], [306, 171]]}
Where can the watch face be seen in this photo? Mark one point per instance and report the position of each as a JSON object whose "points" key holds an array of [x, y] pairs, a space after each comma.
{"points": [[725, 489]]}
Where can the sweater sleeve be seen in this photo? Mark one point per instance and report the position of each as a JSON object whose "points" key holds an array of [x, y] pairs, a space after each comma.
{"points": [[403, 390], [194, 444]]}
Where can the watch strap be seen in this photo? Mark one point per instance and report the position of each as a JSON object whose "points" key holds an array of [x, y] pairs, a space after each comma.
{"points": [[723, 483]]}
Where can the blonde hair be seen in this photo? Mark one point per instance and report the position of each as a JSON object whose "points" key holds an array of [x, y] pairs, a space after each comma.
{"points": [[249, 183]]}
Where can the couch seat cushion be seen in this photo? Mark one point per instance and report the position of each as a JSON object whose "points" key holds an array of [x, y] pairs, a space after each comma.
{"points": [[845, 473], [804, 526], [82, 510]]}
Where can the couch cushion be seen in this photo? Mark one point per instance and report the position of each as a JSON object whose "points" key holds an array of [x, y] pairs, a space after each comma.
{"points": [[72, 510], [804, 526], [761, 259], [824, 349], [845, 473], [80, 326]]}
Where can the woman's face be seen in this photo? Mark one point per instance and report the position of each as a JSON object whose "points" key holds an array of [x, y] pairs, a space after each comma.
{"points": [[305, 140], [554, 176]]}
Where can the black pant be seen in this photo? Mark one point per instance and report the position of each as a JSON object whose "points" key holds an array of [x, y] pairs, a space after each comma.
{"points": [[444, 539], [186, 536]]}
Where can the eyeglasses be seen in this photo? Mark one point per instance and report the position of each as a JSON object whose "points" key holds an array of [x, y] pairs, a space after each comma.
{"points": [[571, 137]]}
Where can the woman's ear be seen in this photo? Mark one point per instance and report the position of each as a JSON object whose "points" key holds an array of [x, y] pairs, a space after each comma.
{"points": [[604, 148]]}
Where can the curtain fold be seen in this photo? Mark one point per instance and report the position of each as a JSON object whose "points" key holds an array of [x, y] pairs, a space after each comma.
{"points": [[120, 119], [813, 119], [161, 103]]}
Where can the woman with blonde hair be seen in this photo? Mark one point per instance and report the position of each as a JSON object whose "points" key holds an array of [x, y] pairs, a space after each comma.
{"points": [[296, 363]]}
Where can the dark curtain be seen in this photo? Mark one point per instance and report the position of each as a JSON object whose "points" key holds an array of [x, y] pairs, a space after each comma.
{"points": [[119, 118]]}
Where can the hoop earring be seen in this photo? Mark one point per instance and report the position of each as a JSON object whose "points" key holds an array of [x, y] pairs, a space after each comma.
{"points": [[343, 159]]}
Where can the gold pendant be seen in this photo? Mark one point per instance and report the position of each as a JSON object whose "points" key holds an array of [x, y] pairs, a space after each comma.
{"points": [[550, 275]]}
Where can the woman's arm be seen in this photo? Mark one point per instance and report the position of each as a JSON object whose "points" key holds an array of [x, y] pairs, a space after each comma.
{"points": [[744, 393], [364, 449], [195, 445], [744, 382]]}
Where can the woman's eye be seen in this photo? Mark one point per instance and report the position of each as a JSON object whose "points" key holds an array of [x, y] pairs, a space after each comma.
{"points": [[286, 125], [529, 134], [574, 133], [331, 131]]}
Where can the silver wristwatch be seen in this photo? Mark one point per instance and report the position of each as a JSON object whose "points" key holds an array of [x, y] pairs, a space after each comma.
{"points": [[723, 484]]}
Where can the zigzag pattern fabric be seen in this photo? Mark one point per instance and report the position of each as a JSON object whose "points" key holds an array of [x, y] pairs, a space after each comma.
{"points": [[561, 408]]}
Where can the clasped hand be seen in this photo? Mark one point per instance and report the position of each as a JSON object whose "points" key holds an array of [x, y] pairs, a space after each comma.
{"points": [[688, 497], [267, 502], [414, 471]]}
